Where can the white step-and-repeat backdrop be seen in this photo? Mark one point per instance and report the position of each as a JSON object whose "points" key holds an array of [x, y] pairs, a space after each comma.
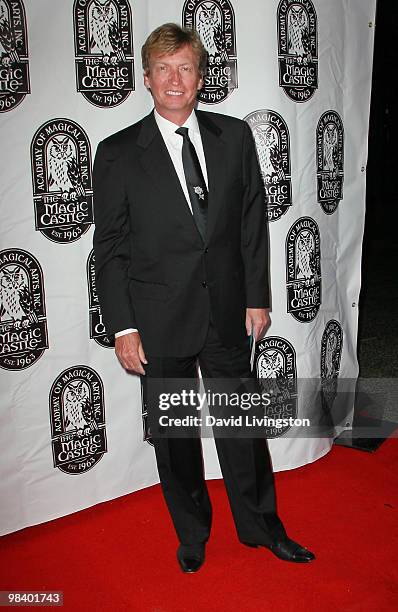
{"points": [[72, 422]]}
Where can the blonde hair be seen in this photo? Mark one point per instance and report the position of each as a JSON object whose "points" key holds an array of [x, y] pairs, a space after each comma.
{"points": [[169, 38]]}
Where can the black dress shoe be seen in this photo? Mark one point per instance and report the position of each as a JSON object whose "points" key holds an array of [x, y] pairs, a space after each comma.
{"points": [[288, 550], [191, 558]]}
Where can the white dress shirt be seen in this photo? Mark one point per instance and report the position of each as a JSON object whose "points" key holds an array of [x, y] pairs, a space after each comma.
{"points": [[173, 143]]}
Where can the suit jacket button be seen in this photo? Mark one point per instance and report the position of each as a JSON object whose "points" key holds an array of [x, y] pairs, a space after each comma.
{"points": [[206, 250], [204, 284]]}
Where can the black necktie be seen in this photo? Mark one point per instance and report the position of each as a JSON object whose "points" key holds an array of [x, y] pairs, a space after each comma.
{"points": [[195, 182]]}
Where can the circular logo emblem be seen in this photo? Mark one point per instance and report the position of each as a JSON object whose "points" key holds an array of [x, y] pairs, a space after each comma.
{"points": [[277, 376], [77, 416], [214, 20], [271, 136], [297, 49], [23, 324], [330, 161], [303, 270], [104, 54], [62, 181], [14, 61]]}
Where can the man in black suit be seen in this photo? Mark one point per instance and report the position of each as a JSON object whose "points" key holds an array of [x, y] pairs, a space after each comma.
{"points": [[181, 267]]}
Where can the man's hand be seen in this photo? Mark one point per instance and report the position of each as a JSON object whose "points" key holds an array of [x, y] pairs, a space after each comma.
{"points": [[258, 320], [130, 352]]}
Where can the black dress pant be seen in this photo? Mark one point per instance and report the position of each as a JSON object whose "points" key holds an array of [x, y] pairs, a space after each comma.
{"points": [[245, 462]]}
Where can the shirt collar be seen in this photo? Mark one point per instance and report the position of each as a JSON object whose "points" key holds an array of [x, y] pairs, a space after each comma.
{"points": [[168, 128]]}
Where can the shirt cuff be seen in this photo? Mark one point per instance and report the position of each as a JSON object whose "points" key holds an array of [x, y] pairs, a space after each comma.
{"points": [[124, 332]]}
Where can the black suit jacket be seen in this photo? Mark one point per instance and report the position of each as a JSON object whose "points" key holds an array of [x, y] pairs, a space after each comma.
{"points": [[153, 271]]}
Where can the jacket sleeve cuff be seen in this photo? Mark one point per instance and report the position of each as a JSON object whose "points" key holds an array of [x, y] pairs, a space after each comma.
{"points": [[124, 332]]}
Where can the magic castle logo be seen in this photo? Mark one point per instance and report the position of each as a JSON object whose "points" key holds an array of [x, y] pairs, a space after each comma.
{"points": [[303, 270], [271, 136], [23, 323], [62, 180], [297, 49], [330, 161], [97, 327], [214, 20], [331, 350], [77, 417], [14, 61], [277, 375], [104, 53]]}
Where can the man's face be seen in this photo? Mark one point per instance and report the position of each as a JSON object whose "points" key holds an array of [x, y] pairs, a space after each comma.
{"points": [[174, 81]]}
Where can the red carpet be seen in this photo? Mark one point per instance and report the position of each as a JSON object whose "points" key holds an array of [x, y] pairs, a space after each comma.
{"points": [[121, 555]]}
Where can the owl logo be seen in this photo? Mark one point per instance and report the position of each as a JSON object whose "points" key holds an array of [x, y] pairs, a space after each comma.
{"points": [[271, 374], [305, 258], [297, 49], [214, 21], [8, 52], [78, 434], [330, 160], [105, 36], [330, 149], [209, 27], [269, 155], [331, 357], [63, 170], [271, 136], [270, 365], [104, 51], [61, 148], [331, 346], [298, 34], [276, 376], [303, 270], [16, 301], [78, 409]]}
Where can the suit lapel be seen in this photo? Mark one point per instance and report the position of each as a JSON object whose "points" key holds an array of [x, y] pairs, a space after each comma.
{"points": [[213, 146], [156, 161]]}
